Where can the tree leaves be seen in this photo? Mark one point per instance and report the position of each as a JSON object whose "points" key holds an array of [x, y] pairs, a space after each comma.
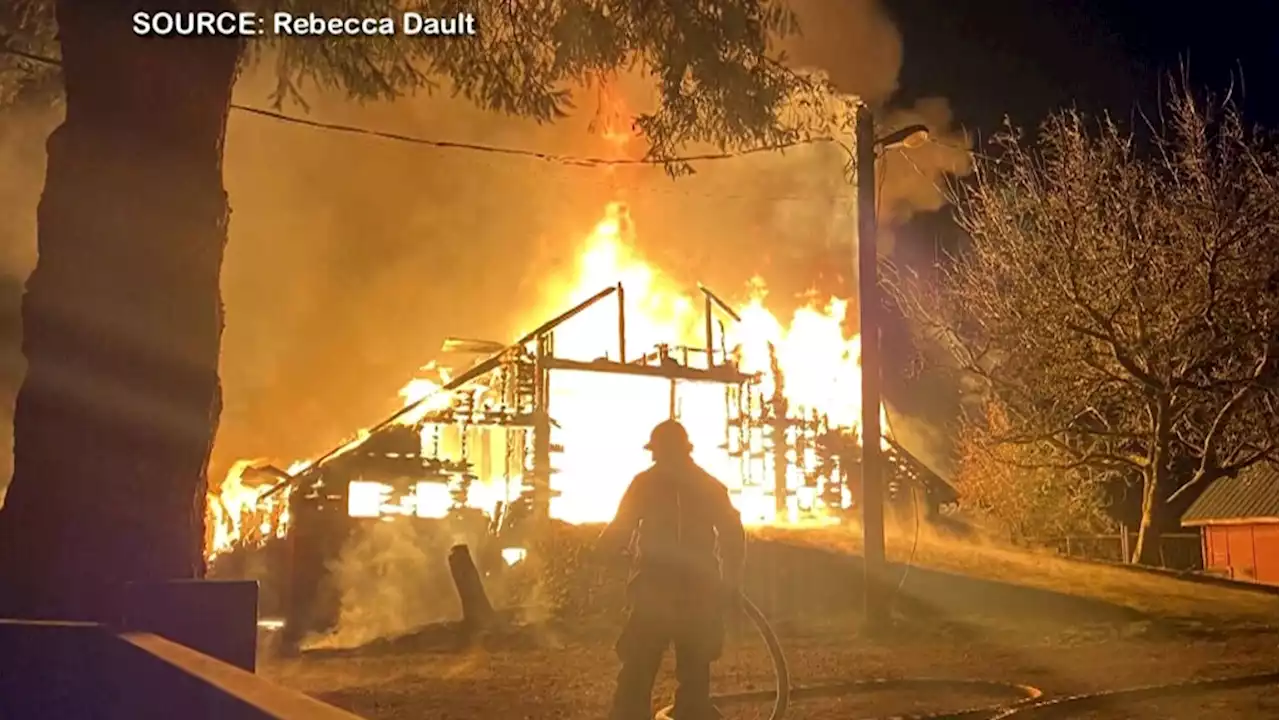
{"points": [[27, 28]]}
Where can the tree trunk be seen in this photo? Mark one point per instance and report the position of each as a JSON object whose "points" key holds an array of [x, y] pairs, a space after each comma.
{"points": [[1146, 551], [122, 318], [1148, 543]]}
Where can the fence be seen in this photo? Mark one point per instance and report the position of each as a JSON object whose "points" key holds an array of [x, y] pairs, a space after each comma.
{"points": [[1178, 551]]}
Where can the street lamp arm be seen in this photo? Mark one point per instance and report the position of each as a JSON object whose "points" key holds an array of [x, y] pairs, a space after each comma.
{"points": [[911, 136]]}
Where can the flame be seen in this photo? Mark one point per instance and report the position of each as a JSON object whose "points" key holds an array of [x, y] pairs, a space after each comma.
{"points": [[237, 515], [819, 363], [614, 121], [822, 367]]}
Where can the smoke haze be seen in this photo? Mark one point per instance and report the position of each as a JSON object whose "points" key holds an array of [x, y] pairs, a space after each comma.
{"points": [[390, 578], [351, 257]]}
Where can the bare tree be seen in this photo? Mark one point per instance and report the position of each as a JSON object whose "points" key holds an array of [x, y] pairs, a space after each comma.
{"points": [[1118, 300], [1015, 491]]}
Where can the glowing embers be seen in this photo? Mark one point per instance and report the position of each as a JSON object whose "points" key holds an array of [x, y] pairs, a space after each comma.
{"points": [[365, 499]]}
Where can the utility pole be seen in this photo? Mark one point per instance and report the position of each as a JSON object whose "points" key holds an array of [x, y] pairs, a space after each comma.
{"points": [[866, 261]]}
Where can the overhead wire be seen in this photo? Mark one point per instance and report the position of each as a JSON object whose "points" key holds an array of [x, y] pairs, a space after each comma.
{"points": [[582, 161]]}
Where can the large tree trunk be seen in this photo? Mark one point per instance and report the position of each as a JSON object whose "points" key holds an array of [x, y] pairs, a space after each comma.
{"points": [[1146, 550], [122, 318]]}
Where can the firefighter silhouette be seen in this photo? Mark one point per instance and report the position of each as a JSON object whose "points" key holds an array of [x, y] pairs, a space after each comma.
{"points": [[685, 574]]}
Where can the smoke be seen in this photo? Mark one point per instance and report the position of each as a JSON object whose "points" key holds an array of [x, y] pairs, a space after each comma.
{"points": [[391, 578], [350, 257], [923, 439]]}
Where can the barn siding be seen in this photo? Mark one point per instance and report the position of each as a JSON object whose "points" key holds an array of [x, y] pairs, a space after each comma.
{"points": [[1240, 549], [1215, 556], [1267, 548], [1243, 552]]}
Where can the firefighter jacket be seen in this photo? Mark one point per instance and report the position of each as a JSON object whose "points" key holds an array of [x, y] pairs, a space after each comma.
{"points": [[684, 528]]}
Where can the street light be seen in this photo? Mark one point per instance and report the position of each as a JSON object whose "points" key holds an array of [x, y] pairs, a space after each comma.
{"points": [[875, 605], [909, 137]]}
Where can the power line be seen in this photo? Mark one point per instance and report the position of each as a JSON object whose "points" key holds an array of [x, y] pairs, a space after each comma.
{"points": [[571, 160], [521, 152]]}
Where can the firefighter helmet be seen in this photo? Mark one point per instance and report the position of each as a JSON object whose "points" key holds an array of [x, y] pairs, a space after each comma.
{"points": [[669, 435]]}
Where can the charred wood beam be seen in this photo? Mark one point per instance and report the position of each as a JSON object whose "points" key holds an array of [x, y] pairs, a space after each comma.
{"points": [[778, 424], [491, 363], [470, 346], [720, 374], [622, 324], [708, 322], [477, 611], [720, 303], [541, 479]]}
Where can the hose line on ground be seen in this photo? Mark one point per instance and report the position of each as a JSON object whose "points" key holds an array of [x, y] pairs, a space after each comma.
{"points": [[1029, 700]]}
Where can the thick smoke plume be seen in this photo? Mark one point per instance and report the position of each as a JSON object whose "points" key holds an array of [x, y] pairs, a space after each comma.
{"points": [[350, 257]]}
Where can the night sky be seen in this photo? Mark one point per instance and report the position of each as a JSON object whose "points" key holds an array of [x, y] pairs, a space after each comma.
{"points": [[1026, 58]]}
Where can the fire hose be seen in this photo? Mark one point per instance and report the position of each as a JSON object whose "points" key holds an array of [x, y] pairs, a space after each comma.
{"points": [[1031, 702]]}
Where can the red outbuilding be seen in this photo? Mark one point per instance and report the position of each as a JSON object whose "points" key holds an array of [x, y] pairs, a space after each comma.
{"points": [[1238, 522]]}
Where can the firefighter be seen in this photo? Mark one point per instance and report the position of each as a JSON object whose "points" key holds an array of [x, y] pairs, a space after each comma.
{"points": [[679, 589]]}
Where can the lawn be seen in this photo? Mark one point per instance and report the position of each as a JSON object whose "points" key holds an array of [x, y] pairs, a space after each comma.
{"points": [[963, 611], [1154, 594]]}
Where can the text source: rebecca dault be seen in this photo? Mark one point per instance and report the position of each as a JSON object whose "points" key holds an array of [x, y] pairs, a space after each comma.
{"points": [[248, 24]]}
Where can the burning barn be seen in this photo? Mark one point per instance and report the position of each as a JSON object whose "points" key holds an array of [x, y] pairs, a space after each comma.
{"points": [[551, 426]]}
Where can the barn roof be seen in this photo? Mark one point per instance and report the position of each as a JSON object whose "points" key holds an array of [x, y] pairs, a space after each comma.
{"points": [[1253, 494]]}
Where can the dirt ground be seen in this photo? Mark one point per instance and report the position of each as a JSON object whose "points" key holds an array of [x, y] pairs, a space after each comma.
{"points": [[1170, 630], [573, 682]]}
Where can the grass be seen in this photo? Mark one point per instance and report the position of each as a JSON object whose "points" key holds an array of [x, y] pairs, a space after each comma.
{"points": [[567, 674], [1156, 595]]}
